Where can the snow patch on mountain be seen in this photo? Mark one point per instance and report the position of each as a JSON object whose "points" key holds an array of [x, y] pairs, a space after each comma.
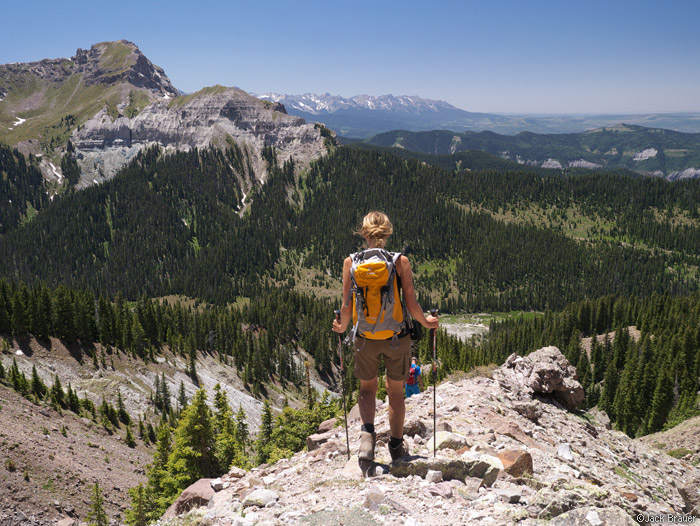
{"points": [[18, 121], [2, 96], [649, 153]]}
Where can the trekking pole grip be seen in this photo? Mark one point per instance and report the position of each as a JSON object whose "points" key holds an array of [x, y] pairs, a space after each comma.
{"points": [[433, 333], [337, 314], [433, 312]]}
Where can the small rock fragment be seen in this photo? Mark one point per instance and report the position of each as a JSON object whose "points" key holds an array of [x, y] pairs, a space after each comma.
{"points": [[261, 497], [433, 476], [516, 463], [564, 452]]}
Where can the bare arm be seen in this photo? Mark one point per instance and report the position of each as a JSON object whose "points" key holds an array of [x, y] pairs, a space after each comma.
{"points": [[346, 309], [409, 295]]}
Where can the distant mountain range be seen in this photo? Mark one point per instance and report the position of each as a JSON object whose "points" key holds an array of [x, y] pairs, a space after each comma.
{"points": [[650, 151], [363, 116]]}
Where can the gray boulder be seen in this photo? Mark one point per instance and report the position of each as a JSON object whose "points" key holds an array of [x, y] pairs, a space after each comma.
{"points": [[260, 498], [546, 372]]}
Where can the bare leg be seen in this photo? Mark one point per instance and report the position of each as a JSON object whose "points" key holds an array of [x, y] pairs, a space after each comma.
{"points": [[367, 400], [397, 406]]}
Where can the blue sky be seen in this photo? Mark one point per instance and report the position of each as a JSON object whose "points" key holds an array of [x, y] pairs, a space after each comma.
{"points": [[523, 56]]}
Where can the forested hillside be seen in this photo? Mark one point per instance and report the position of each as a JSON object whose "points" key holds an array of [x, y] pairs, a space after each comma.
{"points": [[478, 240], [645, 382], [647, 150], [22, 189]]}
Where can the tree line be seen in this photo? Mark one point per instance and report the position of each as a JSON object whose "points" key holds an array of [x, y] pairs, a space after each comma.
{"points": [[645, 383], [262, 338], [173, 224]]}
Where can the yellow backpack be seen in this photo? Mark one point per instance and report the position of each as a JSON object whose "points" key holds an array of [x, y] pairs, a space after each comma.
{"points": [[377, 312]]}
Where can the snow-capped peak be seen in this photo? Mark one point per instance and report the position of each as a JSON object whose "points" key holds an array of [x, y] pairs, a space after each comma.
{"points": [[327, 103]]}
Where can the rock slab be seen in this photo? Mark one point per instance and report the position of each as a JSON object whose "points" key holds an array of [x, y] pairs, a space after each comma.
{"points": [[198, 494]]}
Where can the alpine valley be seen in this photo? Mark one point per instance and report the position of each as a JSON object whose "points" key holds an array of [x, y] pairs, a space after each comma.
{"points": [[169, 267]]}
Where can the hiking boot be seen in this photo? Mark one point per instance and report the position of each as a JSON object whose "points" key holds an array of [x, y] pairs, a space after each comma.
{"points": [[367, 445], [399, 451]]}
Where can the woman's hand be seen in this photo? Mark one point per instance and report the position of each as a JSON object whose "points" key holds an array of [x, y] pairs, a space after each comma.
{"points": [[432, 322], [337, 327]]}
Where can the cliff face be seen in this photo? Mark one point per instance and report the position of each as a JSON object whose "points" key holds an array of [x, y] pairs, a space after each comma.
{"points": [[210, 117]]}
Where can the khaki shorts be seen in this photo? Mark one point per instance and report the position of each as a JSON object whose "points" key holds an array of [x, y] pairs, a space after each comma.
{"points": [[396, 361]]}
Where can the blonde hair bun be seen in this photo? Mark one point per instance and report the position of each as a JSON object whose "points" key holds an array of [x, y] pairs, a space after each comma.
{"points": [[376, 227]]}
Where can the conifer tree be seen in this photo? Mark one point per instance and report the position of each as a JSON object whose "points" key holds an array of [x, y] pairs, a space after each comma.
{"points": [[142, 429], [193, 365], [19, 315], [182, 397], [241, 428], [227, 447], [136, 515], [73, 400], [129, 438], [151, 432], [57, 394], [38, 387], [97, 515], [662, 402], [625, 400], [158, 395], [262, 445], [165, 394], [193, 454], [121, 410], [607, 399], [157, 496]]}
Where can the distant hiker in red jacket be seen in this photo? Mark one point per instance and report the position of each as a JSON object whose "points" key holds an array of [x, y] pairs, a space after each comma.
{"points": [[414, 382]]}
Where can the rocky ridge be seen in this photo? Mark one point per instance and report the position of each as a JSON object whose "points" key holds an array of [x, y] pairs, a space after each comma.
{"points": [[211, 117], [507, 451], [103, 63]]}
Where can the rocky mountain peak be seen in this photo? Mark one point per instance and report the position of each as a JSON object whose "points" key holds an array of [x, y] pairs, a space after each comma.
{"points": [[122, 61], [507, 450], [104, 63]]}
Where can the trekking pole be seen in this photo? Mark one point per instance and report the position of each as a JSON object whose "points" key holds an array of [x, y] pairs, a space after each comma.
{"points": [[342, 382], [433, 334]]}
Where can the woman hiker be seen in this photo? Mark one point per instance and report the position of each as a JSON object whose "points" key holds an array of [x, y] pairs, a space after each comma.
{"points": [[394, 349]]}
